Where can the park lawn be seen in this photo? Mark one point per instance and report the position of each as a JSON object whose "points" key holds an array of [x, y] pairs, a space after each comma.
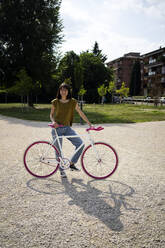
{"points": [[124, 113], [96, 113]]}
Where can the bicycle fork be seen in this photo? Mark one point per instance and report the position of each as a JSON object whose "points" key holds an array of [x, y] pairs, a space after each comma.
{"points": [[96, 152]]}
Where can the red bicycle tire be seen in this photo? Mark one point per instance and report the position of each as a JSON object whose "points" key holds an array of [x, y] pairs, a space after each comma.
{"points": [[26, 165], [110, 172]]}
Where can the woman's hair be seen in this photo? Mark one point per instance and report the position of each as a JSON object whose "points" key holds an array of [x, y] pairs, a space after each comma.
{"points": [[66, 86]]}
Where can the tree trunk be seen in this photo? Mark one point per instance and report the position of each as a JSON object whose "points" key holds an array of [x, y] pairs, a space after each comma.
{"points": [[22, 103], [5, 97], [156, 102], [102, 99], [30, 101], [112, 98]]}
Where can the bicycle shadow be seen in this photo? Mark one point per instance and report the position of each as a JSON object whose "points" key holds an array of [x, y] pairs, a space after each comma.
{"points": [[91, 199]]}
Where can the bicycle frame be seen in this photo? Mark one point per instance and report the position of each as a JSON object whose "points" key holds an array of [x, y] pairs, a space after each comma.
{"points": [[57, 138], [103, 163], [61, 157]]}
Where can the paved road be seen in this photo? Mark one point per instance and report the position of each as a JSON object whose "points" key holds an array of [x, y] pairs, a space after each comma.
{"points": [[126, 210]]}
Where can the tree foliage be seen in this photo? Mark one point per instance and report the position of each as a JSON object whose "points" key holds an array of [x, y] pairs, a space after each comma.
{"points": [[111, 89], [24, 84], [70, 67], [85, 69], [97, 52], [123, 91], [29, 33], [82, 91], [94, 72], [81, 94], [102, 91]]}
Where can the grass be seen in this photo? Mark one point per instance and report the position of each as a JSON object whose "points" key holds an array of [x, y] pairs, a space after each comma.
{"points": [[96, 113]]}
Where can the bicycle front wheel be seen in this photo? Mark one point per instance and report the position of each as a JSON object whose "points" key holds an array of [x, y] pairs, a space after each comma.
{"points": [[99, 160], [40, 159]]}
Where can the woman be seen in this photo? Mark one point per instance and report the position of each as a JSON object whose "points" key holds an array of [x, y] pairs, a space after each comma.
{"points": [[62, 112]]}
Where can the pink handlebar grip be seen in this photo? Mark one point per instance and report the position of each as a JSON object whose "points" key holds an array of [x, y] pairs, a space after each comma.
{"points": [[94, 129], [52, 126]]}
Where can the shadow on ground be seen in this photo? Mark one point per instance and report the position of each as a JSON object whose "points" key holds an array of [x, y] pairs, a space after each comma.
{"points": [[44, 124], [104, 205]]}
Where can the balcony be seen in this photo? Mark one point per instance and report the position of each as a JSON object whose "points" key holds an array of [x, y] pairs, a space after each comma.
{"points": [[156, 64]]}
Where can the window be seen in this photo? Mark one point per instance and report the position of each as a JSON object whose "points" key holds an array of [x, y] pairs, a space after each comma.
{"points": [[152, 60], [150, 73], [163, 69], [163, 80]]}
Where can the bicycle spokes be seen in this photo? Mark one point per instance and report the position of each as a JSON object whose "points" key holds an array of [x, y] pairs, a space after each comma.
{"points": [[99, 160], [41, 159]]}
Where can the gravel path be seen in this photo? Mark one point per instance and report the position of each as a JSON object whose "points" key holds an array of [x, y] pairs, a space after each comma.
{"points": [[126, 210]]}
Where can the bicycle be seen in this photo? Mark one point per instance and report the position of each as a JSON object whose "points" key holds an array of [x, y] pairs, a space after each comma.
{"points": [[99, 160]]}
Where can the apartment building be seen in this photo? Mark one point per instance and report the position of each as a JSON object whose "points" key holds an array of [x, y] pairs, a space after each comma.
{"points": [[122, 68], [153, 73]]}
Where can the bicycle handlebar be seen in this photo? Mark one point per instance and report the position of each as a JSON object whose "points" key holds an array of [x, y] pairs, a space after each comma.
{"points": [[94, 129], [88, 129]]}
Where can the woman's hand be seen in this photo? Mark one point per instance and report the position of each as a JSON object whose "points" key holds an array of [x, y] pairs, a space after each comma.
{"points": [[55, 124]]}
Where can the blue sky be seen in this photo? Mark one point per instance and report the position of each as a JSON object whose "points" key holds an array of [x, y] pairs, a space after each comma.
{"points": [[119, 26]]}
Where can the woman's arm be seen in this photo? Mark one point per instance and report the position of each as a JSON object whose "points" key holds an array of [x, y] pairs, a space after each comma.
{"points": [[52, 116], [82, 115]]}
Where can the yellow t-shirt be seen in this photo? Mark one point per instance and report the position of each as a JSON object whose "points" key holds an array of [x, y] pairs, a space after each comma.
{"points": [[64, 111]]}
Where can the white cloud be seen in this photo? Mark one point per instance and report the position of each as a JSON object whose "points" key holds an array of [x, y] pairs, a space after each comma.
{"points": [[118, 26], [72, 9], [155, 9]]}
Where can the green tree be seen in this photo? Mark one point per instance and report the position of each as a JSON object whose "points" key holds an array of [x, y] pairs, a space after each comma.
{"points": [[68, 81], [70, 67], [123, 91], [111, 89], [78, 76], [97, 52], [29, 33], [135, 82], [102, 90], [94, 71], [82, 92], [23, 86]]}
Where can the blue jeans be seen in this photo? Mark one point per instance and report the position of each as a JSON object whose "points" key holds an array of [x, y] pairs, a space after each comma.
{"points": [[76, 141]]}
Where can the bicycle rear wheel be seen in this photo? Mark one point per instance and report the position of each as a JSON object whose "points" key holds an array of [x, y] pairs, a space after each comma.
{"points": [[40, 159], [99, 161]]}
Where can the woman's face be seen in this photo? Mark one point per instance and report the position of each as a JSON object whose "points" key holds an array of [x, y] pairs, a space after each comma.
{"points": [[63, 92]]}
